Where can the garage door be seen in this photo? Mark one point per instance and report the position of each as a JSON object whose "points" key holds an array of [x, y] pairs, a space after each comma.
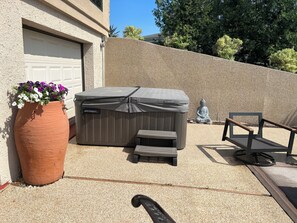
{"points": [[52, 59]]}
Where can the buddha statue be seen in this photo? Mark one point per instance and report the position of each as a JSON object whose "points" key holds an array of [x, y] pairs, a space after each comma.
{"points": [[202, 113]]}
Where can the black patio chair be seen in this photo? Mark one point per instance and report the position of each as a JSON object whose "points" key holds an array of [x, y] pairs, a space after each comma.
{"points": [[254, 146], [155, 211]]}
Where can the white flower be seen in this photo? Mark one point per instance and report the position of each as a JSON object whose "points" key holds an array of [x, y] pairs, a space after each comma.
{"points": [[39, 94], [14, 103], [37, 100], [46, 93], [36, 89], [21, 95], [20, 105], [25, 98]]}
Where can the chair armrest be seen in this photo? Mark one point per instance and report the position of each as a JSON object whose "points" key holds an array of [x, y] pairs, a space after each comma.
{"points": [[250, 130], [155, 211], [239, 125], [280, 125]]}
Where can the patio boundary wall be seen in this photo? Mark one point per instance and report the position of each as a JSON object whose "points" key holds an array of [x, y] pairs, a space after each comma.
{"points": [[226, 85]]}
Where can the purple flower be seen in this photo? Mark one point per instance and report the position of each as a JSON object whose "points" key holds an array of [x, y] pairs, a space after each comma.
{"points": [[53, 87], [53, 96], [61, 87], [46, 92]]}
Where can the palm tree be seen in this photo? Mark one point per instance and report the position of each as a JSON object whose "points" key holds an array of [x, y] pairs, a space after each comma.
{"points": [[113, 31], [133, 33]]}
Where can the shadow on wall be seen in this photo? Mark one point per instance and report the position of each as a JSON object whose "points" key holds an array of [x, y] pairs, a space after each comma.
{"points": [[6, 133]]}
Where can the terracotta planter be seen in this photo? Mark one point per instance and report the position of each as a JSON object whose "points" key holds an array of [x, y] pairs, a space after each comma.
{"points": [[41, 137]]}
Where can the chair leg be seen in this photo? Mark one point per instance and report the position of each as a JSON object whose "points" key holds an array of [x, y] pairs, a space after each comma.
{"points": [[257, 159], [290, 160]]}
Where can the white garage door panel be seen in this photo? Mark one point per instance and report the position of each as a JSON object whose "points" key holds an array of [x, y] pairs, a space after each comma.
{"points": [[55, 60], [77, 73], [55, 74], [67, 73]]}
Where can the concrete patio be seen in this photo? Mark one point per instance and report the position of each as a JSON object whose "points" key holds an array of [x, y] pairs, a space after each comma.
{"points": [[208, 185]]}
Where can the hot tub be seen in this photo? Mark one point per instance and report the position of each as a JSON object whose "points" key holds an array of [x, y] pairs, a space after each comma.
{"points": [[112, 116]]}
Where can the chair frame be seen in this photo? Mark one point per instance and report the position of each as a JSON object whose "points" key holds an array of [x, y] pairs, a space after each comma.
{"points": [[155, 211], [247, 149]]}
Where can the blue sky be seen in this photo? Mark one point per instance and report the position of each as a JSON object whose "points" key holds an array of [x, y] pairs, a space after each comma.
{"points": [[133, 13]]}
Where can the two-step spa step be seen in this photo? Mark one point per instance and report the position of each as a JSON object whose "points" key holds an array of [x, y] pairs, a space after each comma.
{"points": [[155, 151]]}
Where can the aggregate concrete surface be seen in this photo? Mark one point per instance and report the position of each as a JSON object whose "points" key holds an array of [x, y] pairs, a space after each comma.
{"points": [[285, 177], [208, 185]]}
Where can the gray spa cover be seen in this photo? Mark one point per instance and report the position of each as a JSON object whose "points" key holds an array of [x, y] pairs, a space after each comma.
{"points": [[133, 99]]}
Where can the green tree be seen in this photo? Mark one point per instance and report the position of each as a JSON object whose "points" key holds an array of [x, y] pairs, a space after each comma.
{"points": [[190, 18], [264, 26], [226, 47], [176, 41], [133, 33], [285, 59], [113, 32]]}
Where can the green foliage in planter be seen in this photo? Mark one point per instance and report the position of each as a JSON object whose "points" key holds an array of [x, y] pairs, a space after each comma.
{"points": [[133, 33], [285, 59], [226, 47]]}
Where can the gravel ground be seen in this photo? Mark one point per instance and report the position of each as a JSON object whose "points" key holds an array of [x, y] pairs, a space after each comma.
{"points": [[208, 185]]}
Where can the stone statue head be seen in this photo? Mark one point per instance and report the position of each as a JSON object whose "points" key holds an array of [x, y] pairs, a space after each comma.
{"points": [[202, 102]]}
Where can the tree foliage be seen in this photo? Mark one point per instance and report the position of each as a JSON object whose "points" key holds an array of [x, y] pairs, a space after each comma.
{"points": [[285, 59], [264, 26], [226, 47], [113, 32], [133, 33], [176, 41]]}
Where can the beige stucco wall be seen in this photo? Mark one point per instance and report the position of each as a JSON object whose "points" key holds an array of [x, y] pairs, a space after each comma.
{"points": [[225, 85], [13, 15], [85, 12]]}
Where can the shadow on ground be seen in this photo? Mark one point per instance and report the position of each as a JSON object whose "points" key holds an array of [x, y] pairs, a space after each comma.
{"points": [[291, 193], [282, 158], [224, 151], [161, 160]]}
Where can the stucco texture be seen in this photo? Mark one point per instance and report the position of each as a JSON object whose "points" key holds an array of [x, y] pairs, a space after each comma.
{"points": [[13, 15], [225, 85]]}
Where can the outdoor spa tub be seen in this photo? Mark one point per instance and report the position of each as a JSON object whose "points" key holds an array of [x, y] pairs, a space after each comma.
{"points": [[112, 116]]}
